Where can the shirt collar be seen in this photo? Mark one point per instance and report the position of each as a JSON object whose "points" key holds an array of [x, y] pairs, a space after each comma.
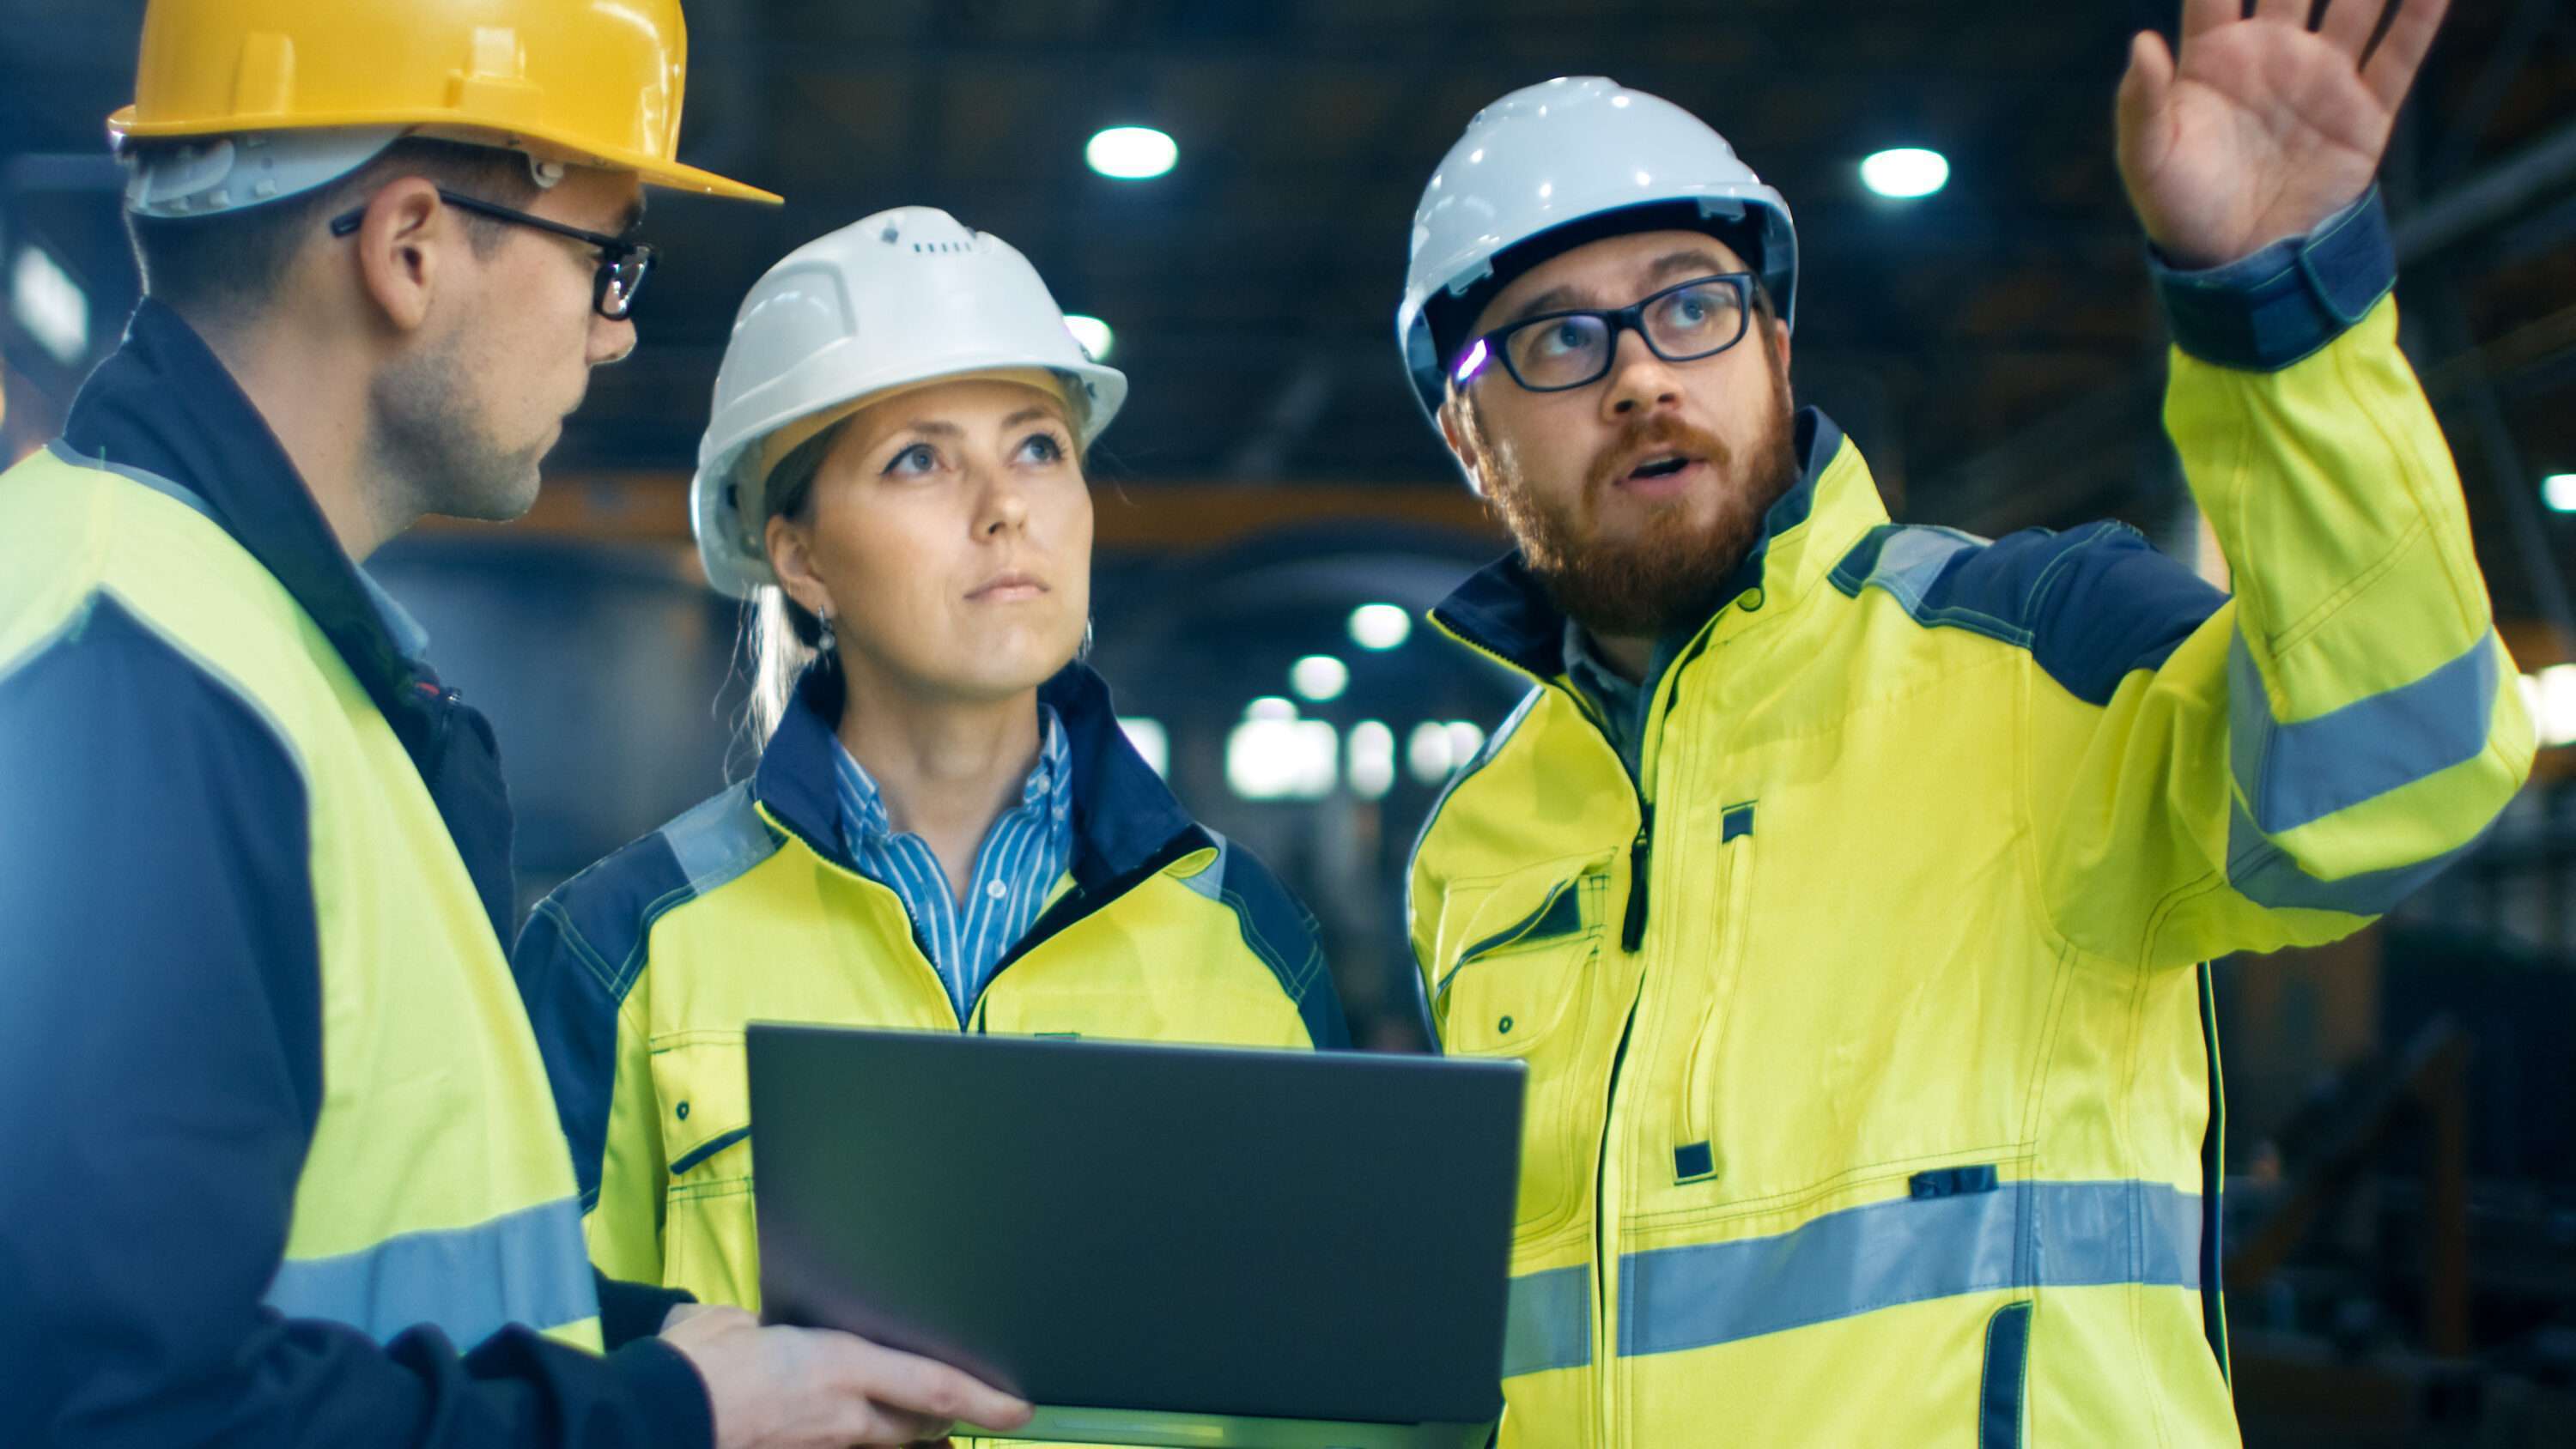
{"points": [[864, 819], [406, 632]]}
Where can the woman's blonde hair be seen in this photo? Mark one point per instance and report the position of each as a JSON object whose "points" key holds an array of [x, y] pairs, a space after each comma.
{"points": [[781, 636]]}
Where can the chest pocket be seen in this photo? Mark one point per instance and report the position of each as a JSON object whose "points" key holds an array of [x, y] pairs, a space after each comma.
{"points": [[1522, 990], [710, 1243]]}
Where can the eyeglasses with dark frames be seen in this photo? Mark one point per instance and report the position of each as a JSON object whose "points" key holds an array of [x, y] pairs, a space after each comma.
{"points": [[1559, 351], [623, 264]]}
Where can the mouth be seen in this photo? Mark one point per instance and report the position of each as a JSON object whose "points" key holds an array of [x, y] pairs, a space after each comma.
{"points": [[1661, 475], [1011, 586]]}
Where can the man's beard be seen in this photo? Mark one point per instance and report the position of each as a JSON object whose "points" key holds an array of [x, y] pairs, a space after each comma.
{"points": [[1671, 575], [432, 446]]}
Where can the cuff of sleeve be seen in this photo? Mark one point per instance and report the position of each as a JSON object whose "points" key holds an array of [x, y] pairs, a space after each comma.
{"points": [[667, 1387], [2263, 312], [629, 1311]]}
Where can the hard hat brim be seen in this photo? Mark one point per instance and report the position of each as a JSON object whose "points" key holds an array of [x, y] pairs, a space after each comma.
{"points": [[654, 171]]}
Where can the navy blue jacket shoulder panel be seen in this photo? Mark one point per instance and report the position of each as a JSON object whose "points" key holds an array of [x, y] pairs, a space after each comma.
{"points": [[2092, 604]]}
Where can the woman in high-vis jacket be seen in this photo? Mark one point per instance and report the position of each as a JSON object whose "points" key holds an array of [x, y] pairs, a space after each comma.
{"points": [[946, 829]]}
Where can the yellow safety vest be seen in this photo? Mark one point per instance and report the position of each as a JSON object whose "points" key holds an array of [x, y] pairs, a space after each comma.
{"points": [[1872, 1086], [436, 1189]]}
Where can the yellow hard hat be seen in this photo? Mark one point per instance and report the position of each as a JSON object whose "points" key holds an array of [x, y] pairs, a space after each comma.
{"points": [[599, 80]]}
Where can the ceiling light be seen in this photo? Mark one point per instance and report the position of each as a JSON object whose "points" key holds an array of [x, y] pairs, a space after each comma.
{"points": [[1319, 677], [1092, 333], [1905, 172], [1150, 739], [50, 305], [2558, 490], [1380, 626], [1372, 759], [1131, 153], [1270, 706]]}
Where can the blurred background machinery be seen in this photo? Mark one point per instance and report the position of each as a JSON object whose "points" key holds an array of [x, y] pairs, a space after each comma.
{"points": [[1224, 190]]}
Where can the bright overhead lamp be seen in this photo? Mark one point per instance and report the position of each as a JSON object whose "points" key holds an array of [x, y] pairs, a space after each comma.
{"points": [[1380, 626], [50, 306], [1906, 172], [1151, 740], [2558, 490], [1319, 677], [1131, 153], [1092, 333]]}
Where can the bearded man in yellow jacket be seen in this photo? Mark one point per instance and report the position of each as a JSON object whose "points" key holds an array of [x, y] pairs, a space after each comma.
{"points": [[1846, 886]]}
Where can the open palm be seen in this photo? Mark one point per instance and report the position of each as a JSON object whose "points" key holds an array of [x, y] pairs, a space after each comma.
{"points": [[2262, 128]]}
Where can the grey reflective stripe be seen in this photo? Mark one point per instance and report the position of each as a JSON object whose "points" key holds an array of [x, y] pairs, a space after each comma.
{"points": [[1911, 559], [525, 1267], [719, 839], [2264, 873], [2295, 773], [1547, 1321], [2024, 1235], [1211, 881], [178, 492]]}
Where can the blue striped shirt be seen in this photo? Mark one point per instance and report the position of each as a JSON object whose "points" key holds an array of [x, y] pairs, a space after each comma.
{"points": [[1016, 868]]}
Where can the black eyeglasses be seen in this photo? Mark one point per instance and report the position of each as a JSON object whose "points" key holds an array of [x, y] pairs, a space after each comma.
{"points": [[1557, 351], [623, 264]]}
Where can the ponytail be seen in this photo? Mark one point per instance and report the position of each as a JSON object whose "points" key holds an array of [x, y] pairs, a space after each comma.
{"points": [[782, 637]]}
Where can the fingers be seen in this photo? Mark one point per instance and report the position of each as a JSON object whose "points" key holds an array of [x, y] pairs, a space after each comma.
{"points": [[2349, 24], [2283, 12], [2142, 99], [2390, 70], [940, 1395], [2199, 16]]}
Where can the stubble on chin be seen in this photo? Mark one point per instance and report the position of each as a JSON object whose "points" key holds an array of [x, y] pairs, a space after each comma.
{"points": [[434, 447]]}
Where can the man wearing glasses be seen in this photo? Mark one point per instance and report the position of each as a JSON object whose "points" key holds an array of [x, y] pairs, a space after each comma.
{"points": [[289, 1172], [1845, 885]]}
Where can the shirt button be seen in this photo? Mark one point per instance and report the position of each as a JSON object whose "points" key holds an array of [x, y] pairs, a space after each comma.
{"points": [[993, 890]]}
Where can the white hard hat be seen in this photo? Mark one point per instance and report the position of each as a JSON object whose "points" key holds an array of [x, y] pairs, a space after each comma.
{"points": [[901, 297], [1569, 160]]}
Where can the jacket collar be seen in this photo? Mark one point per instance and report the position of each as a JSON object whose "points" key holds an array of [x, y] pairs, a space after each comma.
{"points": [[163, 404], [1505, 611], [1124, 817]]}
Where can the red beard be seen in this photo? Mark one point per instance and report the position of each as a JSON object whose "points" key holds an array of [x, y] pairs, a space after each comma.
{"points": [[1671, 574]]}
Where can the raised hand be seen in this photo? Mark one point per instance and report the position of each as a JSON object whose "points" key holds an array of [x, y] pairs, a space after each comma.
{"points": [[2262, 128]]}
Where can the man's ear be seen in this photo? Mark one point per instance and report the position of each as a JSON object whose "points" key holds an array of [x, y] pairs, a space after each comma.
{"points": [[1459, 432], [398, 244], [1780, 329], [792, 558]]}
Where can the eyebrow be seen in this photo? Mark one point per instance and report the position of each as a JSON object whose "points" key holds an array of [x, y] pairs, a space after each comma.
{"points": [[1039, 413], [1559, 299]]}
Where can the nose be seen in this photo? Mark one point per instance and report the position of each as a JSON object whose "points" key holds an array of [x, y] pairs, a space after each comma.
{"points": [[1003, 507], [611, 341], [1639, 380]]}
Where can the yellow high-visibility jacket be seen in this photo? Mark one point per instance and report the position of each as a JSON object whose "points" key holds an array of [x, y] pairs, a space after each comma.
{"points": [[1873, 1091], [641, 972]]}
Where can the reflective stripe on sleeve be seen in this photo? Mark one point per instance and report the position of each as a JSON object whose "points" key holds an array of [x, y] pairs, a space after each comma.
{"points": [[2292, 774], [525, 1267]]}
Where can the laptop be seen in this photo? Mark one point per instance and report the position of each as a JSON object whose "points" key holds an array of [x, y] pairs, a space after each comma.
{"points": [[1153, 1244]]}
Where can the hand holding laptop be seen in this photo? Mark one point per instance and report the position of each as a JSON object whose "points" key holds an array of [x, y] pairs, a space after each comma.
{"points": [[812, 1388]]}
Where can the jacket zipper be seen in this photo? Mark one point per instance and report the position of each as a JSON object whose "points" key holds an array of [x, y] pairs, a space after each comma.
{"points": [[1632, 931]]}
